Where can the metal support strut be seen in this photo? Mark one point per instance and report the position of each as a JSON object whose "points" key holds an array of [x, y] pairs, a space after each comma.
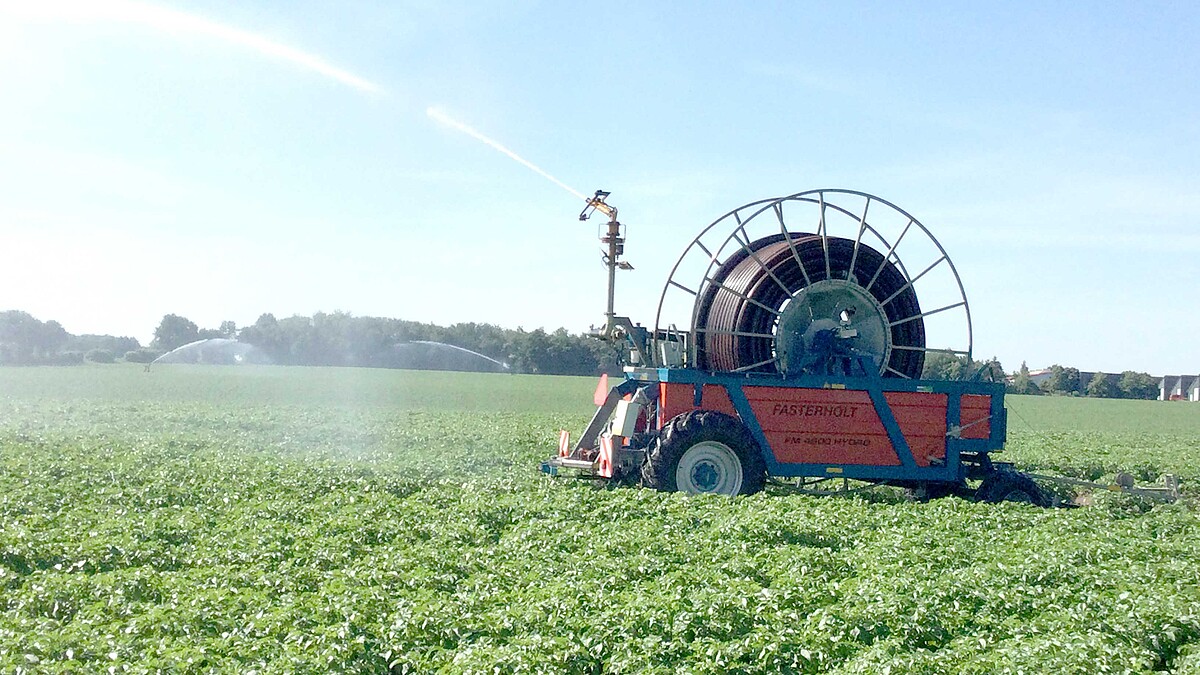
{"points": [[613, 237]]}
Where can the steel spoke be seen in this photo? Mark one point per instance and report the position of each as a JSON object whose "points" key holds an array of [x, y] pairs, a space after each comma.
{"points": [[912, 281], [922, 315], [750, 252], [888, 255], [741, 295], [890, 369], [862, 227], [787, 236], [821, 229], [681, 286]]}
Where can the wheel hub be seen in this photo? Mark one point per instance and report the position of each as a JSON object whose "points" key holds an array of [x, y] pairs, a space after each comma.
{"points": [[830, 305], [709, 467], [705, 476]]}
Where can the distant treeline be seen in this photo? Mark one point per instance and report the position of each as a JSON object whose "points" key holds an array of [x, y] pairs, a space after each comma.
{"points": [[1061, 380], [26, 341], [339, 339], [336, 339]]}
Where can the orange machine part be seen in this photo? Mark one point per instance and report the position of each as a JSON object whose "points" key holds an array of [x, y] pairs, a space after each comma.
{"points": [[675, 398], [601, 394], [922, 420], [976, 416], [837, 426], [822, 426]]}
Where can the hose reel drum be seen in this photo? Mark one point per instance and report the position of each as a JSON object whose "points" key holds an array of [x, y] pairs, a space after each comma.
{"points": [[819, 282]]}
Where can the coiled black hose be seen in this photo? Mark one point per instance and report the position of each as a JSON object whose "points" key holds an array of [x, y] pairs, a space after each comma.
{"points": [[737, 312]]}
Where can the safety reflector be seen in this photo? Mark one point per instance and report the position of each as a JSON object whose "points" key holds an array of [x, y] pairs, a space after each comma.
{"points": [[605, 467], [601, 394], [564, 443]]}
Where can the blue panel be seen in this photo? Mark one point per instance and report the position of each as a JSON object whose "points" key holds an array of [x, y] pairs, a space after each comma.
{"points": [[742, 405], [892, 427]]}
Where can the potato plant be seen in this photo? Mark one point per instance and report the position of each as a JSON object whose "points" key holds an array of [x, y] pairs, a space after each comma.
{"points": [[280, 520]]}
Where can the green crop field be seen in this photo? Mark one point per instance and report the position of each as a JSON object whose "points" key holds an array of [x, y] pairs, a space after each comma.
{"points": [[285, 520]]}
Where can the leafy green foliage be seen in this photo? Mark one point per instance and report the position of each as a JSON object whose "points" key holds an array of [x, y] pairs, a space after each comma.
{"points": [[1138, 385], [339, 339], [99, 356], [25, 340], [174, 331], [1021, 382], [199, 519], [1102, 386], [1062, 380], [943, 366]]}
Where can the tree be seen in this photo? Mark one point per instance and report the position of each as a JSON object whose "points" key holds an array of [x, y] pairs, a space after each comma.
{"points": [[24, 339], [117, 345], [267, 336], [1022, 384], [99, 356], [989, 371], [1062, 380], [568, 355], [529, 352], [959, 367], [943, 366], [342, 339], [609, 356], [51, 337], [1071, 380], [1137, 385], [174, 331], [228, 329], [1102, 386]]}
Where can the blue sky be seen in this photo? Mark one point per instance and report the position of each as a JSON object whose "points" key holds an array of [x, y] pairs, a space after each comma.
{"points": [[224, 159]]}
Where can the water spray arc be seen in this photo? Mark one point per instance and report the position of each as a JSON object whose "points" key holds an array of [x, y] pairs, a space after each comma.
{"points": [[438, 115], [612, 234], [463, 350], [175, 22]]}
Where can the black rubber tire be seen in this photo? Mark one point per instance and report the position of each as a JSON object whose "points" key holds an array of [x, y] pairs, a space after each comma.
{"points": [[687, 430], [1012, 486]]}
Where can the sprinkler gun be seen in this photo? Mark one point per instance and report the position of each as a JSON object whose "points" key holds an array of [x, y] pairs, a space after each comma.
{"points": [[612, 235], [597, 203]]}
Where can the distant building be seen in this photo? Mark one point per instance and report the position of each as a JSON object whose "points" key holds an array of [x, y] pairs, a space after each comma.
{"points": [[1085, 379], [1039, 377], [1179, 388]]}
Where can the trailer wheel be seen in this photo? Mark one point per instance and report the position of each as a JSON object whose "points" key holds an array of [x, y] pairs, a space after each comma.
{"points": [[928, 491], [1011, 486], [704, 452]]}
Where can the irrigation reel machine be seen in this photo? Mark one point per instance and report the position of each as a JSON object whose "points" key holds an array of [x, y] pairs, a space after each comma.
{"points": [[801, 363]]}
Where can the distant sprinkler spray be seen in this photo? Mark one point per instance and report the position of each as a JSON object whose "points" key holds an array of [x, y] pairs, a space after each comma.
{"points": [[442, 118]]}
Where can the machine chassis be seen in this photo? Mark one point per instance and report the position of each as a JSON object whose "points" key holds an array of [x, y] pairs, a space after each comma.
{"points": [[887, 413]]}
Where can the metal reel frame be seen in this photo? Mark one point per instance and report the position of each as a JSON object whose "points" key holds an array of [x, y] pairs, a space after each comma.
{"points": [[848, 210]]}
